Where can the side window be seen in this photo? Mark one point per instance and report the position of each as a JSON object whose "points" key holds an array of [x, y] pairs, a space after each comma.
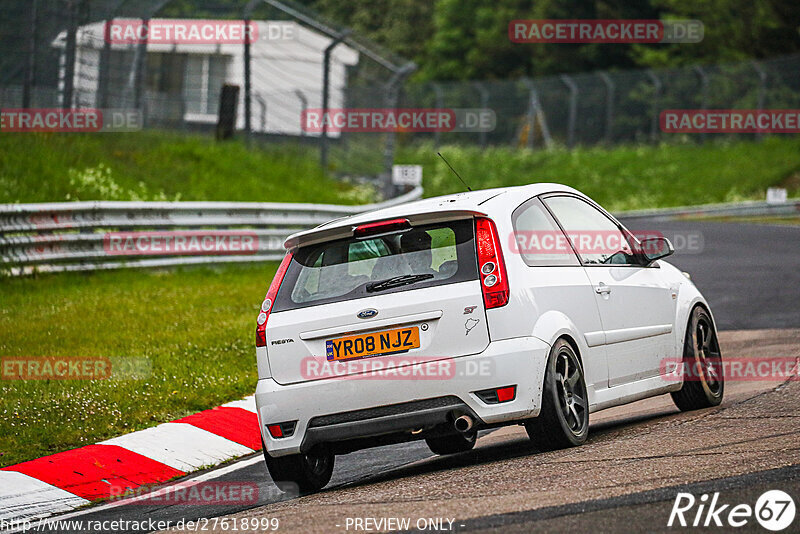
{"points": [[538, 239], [596, 238]]}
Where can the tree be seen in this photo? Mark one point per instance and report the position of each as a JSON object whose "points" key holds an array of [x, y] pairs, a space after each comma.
{"points": [[468, 39], [734, 30], [402, 26]]}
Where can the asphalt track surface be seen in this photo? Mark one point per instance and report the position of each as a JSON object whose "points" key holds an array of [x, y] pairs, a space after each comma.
{"points": [[638, 456], [749, 273]]}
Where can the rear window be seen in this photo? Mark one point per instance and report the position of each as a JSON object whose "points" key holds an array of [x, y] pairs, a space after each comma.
{"points": [[352, 268]]}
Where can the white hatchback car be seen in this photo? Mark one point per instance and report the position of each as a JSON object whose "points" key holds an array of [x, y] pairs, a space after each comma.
{"points": [[432, 320]]}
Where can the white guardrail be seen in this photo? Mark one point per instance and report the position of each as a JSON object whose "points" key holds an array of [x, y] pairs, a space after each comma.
{"points": [[84, 236]]}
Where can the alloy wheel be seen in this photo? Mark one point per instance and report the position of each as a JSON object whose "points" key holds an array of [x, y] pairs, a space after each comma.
{"points": [[570, 391]]}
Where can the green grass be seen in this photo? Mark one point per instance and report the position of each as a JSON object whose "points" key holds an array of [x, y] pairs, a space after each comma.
{"points": [[194, 327], [622, 178], [162, 166], [157, 165]]}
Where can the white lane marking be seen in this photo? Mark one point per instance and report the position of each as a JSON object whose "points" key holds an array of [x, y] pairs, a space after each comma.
{"points": [[180, 445], [22, 496], [247, 403]]}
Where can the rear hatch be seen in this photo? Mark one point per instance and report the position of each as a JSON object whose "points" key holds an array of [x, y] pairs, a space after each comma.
{"points": [[386, 298]]}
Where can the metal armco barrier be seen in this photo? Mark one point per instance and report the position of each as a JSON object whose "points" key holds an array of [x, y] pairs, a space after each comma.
{"points": [[85, 236], [78, 236], [736, 209]]}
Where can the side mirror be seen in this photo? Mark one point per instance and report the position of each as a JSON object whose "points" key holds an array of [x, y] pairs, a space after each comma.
{"points": [[655, 248]]}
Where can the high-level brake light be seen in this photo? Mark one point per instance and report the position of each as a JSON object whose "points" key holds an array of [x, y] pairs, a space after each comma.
{"points": [[381, 227]]}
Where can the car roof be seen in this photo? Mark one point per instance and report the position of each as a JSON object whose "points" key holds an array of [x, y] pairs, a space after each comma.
{"points": [[458, 205]]}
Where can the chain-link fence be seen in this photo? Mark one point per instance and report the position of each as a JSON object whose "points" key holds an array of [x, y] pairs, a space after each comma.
{"points": [[608, 107], [79, 54], [129, 54]]}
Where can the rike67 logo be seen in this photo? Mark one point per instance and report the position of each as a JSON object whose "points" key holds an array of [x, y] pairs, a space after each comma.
{"points": [[774, 510]]}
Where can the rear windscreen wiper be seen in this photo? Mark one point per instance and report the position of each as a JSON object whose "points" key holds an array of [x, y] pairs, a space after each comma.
{"points": [[398, 281]]}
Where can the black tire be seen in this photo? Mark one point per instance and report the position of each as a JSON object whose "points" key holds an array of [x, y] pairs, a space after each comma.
{"points": [[704, 380], [564, 418], [303, 473], [452, 443]]}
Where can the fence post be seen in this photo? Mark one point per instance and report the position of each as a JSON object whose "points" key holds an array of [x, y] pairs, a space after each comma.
{"points": [[654, 122], [69, 55], [762, 91], [303, 107], [141, 63], [30, 66], [484, 94], [326, 67], [573, 108], [609, 106], [248, 88], [103, 70], [392, 95], [439, 95], [532, 99], [104, 74], [703, 92], [141, 59], [247, 13], [263, 114]]}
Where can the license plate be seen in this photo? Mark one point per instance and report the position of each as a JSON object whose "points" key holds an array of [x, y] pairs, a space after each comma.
{"points": [[374, 344]]}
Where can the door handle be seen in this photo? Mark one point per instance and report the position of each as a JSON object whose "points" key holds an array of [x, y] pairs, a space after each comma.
{"points": [[602, 289]]}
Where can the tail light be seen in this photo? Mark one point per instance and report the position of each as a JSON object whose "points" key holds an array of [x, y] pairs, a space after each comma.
{"points": [[494, 281], [269, 301]]}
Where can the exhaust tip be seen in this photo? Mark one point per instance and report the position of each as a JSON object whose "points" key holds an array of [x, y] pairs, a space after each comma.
{"points": [[463, 423]]}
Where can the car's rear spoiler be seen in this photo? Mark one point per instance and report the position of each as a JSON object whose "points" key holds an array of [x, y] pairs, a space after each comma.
{"points": [[343, 228]]}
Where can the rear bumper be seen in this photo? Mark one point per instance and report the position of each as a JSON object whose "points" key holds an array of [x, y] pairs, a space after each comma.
{"points": [[332, 410]]}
